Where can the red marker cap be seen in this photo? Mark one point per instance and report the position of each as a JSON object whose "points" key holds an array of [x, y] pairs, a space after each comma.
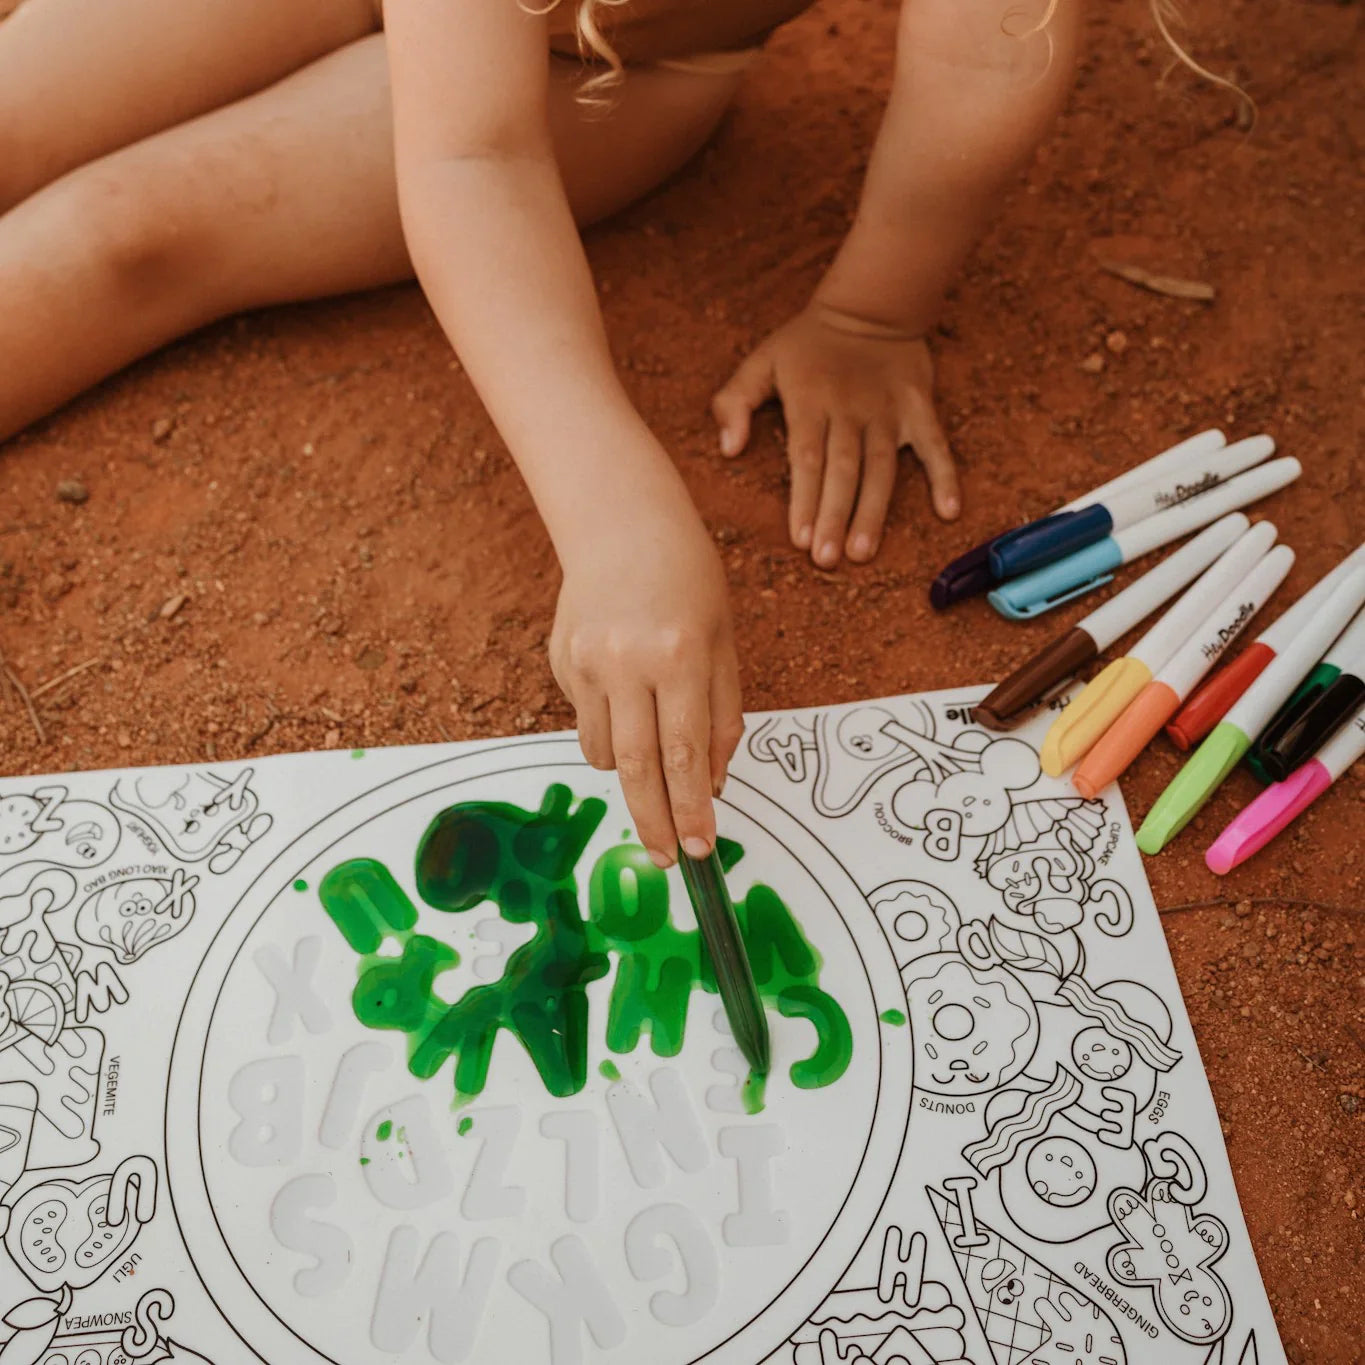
{"points": [[1215, 699]]}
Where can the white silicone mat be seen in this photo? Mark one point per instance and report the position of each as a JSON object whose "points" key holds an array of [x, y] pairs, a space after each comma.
{"points": [[410, 1055]]}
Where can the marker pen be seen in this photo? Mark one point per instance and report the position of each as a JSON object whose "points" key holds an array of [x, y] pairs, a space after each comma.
{"points": [[1089, 714], [1275, 807], [1048, 587], [1030, 547], [1210, 702], [1216, 757], [970, 574], [1036, 680], [1160, 699], [1303, 727]]}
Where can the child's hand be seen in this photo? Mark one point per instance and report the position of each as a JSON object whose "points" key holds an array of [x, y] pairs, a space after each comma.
{"points": [[852, 394], [643, 648]]}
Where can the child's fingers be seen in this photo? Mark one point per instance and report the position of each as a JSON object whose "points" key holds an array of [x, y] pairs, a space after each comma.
{"points": [[635, 743], [727, 713], [750, 387], [843, 464], [923, 434], [594, 727], [684, 708], [806, 428], [874, 493]]}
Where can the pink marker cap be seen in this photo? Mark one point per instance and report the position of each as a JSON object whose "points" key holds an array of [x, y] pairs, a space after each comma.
{"points": [[1266, 816]]}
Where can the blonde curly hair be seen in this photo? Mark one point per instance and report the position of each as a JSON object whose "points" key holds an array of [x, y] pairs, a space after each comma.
{"points": [[594, 46]]}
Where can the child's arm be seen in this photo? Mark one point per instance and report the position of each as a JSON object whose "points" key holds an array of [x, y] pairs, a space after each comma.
{"points": [[642, 641], [973, 94]]}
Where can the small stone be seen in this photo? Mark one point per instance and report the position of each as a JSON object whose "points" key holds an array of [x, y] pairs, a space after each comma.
{"points": [[125, 740], [1116, 342], [526, 721], [54, 586], [1349, 1199], [72, 491], [370, 658], [331, 739], [1242, 909], [162, 428], [1093, 363], [172, 605], [1349, 1103]]}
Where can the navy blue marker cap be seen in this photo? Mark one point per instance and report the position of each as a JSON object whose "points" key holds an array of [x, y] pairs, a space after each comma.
{"points": [[1040, 542], [970, 575]]}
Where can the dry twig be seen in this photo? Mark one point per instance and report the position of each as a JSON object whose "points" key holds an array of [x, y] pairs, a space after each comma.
{"points": [[27, 701], [1172, 286], [62, 677], [1230, 902]]}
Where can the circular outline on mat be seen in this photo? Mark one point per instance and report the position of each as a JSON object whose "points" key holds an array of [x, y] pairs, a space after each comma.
{"points": [[887, 1128]]}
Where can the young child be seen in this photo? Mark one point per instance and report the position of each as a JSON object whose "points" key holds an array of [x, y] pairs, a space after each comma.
{"points": [[164, 164]]}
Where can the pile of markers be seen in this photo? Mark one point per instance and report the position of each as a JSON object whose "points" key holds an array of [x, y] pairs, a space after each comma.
{"points": [[1292, 704]]}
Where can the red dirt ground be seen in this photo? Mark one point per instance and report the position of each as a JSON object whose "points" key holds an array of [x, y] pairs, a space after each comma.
{"points": [[360, 564]]}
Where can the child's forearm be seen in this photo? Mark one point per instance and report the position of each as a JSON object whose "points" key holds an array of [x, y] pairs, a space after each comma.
{"points": [[499, 256], [971, 100]]}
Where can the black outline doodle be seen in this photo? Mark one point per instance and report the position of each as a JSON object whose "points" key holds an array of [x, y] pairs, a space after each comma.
{"points": [[130, 916], [902, 1313], [214, 818], [1008, 1285], [1159, 1232], [974, 1028], [84, 827], [112, 1209], [916, 917]]}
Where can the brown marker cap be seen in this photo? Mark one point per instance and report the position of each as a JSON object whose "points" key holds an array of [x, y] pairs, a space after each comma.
{"points": [[1011, 702]]}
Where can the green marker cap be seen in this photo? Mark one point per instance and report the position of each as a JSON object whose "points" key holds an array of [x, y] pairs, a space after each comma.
{"points": [[1192, 786]]}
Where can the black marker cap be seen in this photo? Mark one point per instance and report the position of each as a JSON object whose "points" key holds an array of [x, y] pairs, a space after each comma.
{"points": [[1314, 726]]}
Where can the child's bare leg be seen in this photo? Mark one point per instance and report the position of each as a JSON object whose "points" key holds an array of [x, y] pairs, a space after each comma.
{"points": [[80, 78], [288, 194]]}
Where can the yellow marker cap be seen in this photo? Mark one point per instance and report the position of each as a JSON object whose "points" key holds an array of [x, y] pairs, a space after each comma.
{"points": [[1093, 711]]}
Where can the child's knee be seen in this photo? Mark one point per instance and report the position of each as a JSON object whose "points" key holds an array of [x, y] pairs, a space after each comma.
{"points": [[141, 237]]}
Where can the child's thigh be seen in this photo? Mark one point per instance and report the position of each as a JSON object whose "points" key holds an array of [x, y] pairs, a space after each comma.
{"points": [[654, 122], [81, 78]]}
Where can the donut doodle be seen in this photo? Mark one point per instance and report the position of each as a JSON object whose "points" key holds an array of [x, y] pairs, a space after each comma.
{"points": [[1027, 1312], [974, 1028], [1054, 1178], [133, 916], [1171, 1250], [917, 918], [62, 1233]]}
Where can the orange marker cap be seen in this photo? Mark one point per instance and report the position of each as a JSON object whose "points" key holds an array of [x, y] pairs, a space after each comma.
{"points": [[1129, 735], [1214, 700]]}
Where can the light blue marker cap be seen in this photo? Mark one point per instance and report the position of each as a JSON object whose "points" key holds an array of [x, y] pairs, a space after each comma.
{"points": [[1032, 594]]}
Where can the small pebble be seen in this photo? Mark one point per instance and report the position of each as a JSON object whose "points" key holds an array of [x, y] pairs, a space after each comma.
{"points": [[1093, 363], [172, 605], [1116, 342], [73, 491], [162, 428]]}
